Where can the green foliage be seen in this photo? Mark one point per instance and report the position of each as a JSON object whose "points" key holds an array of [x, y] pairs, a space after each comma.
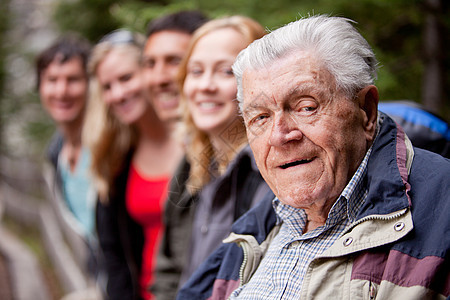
{"points": [[91, 18], [393, 28], [39, 131]]}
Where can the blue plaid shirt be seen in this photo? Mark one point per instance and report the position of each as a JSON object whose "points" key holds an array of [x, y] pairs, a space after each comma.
{"points": [[280, 274]]}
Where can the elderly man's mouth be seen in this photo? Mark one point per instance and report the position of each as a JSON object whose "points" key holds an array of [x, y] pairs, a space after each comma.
{"points": [[295, 163]]}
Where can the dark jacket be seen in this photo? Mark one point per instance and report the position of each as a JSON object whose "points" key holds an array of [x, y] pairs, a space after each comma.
{"points": [[54, 148], [242, 183], [121, 240], [400, 239]]}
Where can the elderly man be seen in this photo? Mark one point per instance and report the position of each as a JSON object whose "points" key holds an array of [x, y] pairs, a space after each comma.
{"points": [[359, 213]]}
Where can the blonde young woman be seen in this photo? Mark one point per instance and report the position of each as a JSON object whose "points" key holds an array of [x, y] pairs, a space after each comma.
{"points": [[218, 179], [133, 159]]}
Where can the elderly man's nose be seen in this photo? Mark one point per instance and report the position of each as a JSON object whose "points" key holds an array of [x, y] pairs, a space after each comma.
{"points": [[284, 130]]}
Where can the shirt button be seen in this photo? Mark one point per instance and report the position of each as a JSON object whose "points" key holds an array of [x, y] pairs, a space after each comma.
{"points": [[204, 229], [399, 226], [294, 244], [348, 241]]}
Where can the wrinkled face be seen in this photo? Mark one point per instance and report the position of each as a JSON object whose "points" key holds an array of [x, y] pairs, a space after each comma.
{"points": [[63, 90], [123, 86], [163, 53], [210, 86], [308, 139]]}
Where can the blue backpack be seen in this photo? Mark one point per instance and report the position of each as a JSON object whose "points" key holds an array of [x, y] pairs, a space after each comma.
{"points": [[426, 130]]}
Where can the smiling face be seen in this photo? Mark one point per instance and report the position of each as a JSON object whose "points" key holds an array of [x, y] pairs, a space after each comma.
{"points": [[63, 90], [163, 53], [210, 86], [123, 87], [308, 138]]}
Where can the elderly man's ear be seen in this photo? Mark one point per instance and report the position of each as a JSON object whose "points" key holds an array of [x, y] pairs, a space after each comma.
{"points": [[368, 103]]}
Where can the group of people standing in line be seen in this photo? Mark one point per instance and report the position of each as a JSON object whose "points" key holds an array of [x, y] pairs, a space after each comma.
{"points": [[155, 161], [151, 153]]}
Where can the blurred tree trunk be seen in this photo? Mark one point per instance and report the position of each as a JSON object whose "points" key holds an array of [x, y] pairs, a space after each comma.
{"points": [[4, 5], [433, 80]]}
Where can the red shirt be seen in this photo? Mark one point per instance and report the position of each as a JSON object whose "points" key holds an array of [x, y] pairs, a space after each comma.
{"points": [[144, 200]]}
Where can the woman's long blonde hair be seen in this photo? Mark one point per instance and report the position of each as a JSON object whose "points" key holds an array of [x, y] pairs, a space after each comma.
{"points": [[108, 140], [199, 150]]}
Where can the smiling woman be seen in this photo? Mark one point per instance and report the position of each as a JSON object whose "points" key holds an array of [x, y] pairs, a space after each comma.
{"points": [[210, 86], [134, 156], [122, 86], [209, 94]]}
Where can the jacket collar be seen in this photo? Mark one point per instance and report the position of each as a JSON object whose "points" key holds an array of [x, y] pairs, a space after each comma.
{"points": [[387, 171]]}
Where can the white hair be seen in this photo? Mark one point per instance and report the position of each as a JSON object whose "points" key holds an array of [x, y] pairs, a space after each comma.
{"points": [[337, 45]]}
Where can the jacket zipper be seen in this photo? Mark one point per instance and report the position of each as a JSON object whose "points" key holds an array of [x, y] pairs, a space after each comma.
{"points": [[244, 263], [372, 291], [376, 217]]}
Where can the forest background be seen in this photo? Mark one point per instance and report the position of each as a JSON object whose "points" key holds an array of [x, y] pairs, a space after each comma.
{"points": [[410, 38]]}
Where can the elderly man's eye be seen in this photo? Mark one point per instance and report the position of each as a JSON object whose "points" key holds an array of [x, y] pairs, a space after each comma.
{"points": [[257, 124], [308, 108], [259, 119]]}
